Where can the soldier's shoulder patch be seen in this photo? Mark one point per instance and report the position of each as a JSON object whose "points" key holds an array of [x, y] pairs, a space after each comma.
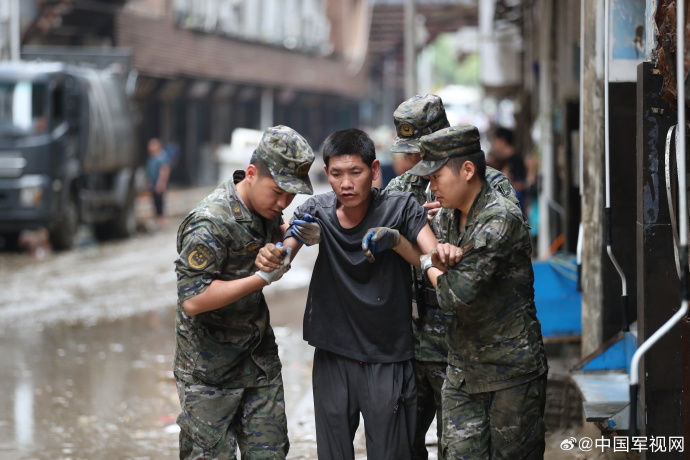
{"points": [[200, 257]]}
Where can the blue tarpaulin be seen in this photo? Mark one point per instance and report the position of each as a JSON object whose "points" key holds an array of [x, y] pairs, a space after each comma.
{"points": [[558, 301]]}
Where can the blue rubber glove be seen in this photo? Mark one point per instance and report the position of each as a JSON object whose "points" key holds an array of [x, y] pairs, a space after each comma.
{"points": [[278, 273], [379, 239], [306, 230]]}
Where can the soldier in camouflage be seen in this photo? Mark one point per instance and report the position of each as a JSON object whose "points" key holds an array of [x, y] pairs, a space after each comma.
{"points": [[415, 117], [494, 395], [226, 360]]}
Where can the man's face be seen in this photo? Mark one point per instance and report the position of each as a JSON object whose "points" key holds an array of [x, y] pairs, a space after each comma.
{"points": [[154, 147], [450, 189], [266, 198], [351, 179], [500, 148]]}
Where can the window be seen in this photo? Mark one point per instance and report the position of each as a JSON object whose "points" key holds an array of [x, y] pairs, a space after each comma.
{"points": [[22, 108], [58, 105], [293, 24]]}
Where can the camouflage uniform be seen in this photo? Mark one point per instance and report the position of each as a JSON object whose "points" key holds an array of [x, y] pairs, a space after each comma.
{"points": [[494, 396], [413, 118], [226, 360]]}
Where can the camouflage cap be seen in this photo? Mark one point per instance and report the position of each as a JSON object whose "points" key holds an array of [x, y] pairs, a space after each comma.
{"points": [[288, 157], [438, 147], [416, 117]]}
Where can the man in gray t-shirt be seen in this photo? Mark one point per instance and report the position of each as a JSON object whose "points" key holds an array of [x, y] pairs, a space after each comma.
{"points": [[359, 305]]}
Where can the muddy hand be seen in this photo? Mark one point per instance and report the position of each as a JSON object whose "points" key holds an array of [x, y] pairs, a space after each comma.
{"points": [[270, 257], [446, 255], [432, 208], [275, 275]]}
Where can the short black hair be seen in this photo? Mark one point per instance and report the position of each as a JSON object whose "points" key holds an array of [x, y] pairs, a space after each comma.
{"points": [[506, 134], [478, 159], [261, 167], [350, 141]]}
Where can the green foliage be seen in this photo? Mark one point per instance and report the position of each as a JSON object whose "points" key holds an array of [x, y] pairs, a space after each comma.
{"points": [[448, 68]]}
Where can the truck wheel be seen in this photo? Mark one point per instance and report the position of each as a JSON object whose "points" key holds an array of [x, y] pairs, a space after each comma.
{"points": [[64, 230], [125, 224], [9, 241]]}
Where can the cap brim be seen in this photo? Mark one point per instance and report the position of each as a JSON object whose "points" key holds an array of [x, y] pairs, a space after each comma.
{"points": [[425, 168], [294, 184], [403, 145]]}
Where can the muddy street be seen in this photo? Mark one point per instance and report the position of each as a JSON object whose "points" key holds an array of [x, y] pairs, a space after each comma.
{"points": [[88, 340]]}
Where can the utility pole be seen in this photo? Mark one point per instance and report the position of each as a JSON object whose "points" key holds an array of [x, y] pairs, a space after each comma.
{"points": [[4, 30], [9, 30], [14, 30], [410, 49], [546, 142], [593, 195]]}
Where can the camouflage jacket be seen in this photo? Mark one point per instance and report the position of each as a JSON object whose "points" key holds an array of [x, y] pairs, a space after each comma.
{"points": [[494, 339], [430, 330], [233, 345]]}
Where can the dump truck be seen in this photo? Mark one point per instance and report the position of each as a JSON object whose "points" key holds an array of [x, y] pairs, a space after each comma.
{"points": [[67, 151]]}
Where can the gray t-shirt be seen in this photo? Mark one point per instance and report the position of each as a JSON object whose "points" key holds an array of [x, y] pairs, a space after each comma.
{"points": [[355, 308]]}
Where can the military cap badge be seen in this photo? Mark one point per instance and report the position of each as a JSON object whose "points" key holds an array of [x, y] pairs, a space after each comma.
{"points": [[406, 129]]}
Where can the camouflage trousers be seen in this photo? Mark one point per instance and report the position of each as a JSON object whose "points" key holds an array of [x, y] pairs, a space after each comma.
{"points": [[505, 424], [430, 377], [215, 421]]}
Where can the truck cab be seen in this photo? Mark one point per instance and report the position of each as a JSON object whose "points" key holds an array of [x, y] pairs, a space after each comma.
{"points": [[67, 152]]}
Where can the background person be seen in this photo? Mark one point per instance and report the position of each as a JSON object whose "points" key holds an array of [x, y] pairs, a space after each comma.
{"points": [[413, 118], [157, 175], [506, 158]]}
